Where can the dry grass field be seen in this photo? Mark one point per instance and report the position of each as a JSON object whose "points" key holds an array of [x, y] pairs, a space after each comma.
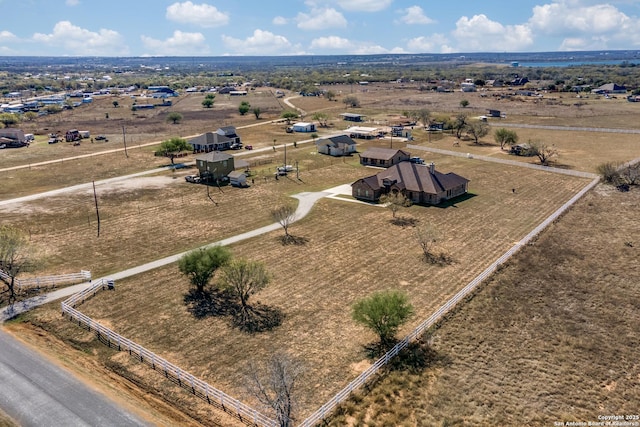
{"points": [[352, 250], [552, 337], [350, 254]]}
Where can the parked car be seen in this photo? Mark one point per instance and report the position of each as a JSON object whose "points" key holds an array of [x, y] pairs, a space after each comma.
{"points": [[101, 138], [248, 147], [192, 178], [236, 146], [53, 140]]}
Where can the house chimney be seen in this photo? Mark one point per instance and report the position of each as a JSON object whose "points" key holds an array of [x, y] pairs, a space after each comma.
{"points": [[432, 168]]}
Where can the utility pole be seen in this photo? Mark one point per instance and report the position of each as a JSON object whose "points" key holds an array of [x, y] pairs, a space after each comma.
{"points": [[124, 141], [95, 198]]}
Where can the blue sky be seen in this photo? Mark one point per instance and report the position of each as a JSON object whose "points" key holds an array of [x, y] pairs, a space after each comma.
{"points": [[298, 27]]}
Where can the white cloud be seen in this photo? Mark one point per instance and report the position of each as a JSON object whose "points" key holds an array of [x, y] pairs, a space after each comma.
{"points": [[279, 20], [261, 43], [480, 34], [368, 49], [415, 15], [79, 41], [204, 15], [586, 25], [435, 43], [364, 5], [331, 42], [563, 18], [7, 36], [321, 19], [341, 45], [179, 44], [72, 2]]}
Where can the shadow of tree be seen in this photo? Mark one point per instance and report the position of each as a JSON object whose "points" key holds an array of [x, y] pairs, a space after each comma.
{"points": [[209, 303], [417, 356], [441, 258], [293, 240], [257, 318], [404, 221]]}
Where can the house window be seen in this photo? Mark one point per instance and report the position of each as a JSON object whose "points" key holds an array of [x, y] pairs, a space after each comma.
{"points": [[366, 193], [224, 163]]}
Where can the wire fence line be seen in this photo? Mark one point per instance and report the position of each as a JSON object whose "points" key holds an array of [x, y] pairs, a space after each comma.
{"points": [[184, 379], [48, 281], [505, 161], [569, 128], [343, 394]]}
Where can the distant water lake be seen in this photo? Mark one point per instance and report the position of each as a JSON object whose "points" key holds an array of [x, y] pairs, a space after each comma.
{"points": [[576, 63]]}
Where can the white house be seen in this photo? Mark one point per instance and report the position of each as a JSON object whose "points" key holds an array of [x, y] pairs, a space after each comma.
{"points": [[338, 145], [303, 127]]}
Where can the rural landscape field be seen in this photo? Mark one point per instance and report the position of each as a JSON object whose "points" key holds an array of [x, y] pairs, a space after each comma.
{"points": [[550, 337]]}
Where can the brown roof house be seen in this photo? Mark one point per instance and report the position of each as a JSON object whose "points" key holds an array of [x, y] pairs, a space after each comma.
{"points": [[215, 166], [422, 184], [383, 157], [339, 145], [224, 138]]}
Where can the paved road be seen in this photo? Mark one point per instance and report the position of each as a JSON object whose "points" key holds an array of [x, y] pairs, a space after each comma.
{"points": [[568, 128], [36, 393]]}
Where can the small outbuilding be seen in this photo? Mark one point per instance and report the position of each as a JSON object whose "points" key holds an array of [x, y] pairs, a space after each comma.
{"points": [[237, 179], [352, 117], [303, 127]]}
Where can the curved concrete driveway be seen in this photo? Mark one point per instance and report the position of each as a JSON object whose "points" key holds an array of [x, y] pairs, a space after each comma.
{"points": [[306, 202]]}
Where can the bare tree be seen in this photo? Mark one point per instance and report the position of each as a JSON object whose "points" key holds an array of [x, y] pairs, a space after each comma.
{"points": [[16, 256], [285, 215], [427, 237], [542, 151], [274, 386], [395, 201]]}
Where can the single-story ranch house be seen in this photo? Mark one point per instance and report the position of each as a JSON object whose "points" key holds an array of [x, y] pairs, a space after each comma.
{"points": [[215, 165], [422, 184], [383, 157], [338, 145], [222, 139]]}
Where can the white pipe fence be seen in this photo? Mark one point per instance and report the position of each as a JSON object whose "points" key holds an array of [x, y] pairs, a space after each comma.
{"points": [[196, 386], [49, 281], [343, 394]]}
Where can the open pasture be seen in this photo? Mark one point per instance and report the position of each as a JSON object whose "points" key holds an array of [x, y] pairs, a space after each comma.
{"points": [[551, 337], [352, 250]]}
